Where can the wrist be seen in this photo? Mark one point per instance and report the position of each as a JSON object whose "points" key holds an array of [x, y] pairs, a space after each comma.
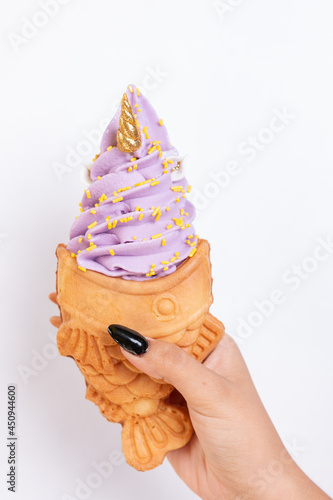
{"points": [[282, 478]]}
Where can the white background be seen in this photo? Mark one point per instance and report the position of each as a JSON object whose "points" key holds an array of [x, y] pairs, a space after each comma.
{"points": [[220, 79]]}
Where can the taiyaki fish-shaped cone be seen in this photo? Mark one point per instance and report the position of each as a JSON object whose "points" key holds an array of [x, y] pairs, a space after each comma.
{"points": [[174, 308]]}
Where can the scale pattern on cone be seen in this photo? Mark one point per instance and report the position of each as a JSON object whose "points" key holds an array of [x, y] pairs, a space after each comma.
{"points": [[174, 308]]}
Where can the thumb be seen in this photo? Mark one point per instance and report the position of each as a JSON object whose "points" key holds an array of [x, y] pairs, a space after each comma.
{"points": [[200, 386]]}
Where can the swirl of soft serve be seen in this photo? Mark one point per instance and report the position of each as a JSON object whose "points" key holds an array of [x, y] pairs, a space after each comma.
{"points": [[135, 220]]}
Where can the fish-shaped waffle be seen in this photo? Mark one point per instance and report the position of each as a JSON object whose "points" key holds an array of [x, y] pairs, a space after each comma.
{"points": [[173, 308]]}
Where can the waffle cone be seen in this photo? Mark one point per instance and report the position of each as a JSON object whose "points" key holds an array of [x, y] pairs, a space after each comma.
{"points": [[174, 308]]}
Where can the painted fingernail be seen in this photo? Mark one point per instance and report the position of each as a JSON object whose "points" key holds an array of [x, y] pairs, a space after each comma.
{"points": [[128, 339]]}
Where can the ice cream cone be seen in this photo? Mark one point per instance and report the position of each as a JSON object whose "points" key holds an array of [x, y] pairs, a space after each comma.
{"points": [[134, 259], [174, 308]]}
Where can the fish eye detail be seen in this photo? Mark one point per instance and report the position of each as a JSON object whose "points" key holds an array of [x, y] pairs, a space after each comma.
{"points": [[165, 307]]}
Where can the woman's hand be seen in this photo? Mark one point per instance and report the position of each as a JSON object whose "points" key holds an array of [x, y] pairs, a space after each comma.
{"points": [[235, 446]]}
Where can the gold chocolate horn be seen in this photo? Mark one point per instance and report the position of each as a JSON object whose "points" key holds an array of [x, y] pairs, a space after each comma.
{"points": [[128, 135]]}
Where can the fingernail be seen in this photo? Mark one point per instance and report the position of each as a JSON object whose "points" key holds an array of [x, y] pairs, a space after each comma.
{"points": [[128, 339]]}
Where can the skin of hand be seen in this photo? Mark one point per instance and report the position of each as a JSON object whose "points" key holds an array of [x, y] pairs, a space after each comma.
{"points": [[235, 452]]}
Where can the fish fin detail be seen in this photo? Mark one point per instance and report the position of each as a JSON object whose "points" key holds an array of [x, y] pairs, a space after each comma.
{"points": [[112, 412], [210, 335], [146, 440]]}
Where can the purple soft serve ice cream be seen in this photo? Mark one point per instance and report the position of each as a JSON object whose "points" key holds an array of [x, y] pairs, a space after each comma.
{"points": [[135, 221]]}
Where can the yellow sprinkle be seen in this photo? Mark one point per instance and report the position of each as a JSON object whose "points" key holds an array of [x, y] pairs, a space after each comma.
{"points": [[129, 218], [189, 189], [148, 274], [79, 251], [117, 199], [167, 209], [109, 148], [143, 239], [151, 150], [82, 268], [73, 255], [176, 188], [81, 210], [165, 172], [115, 193], [184, 196], [102, 198], [157, 209], [172, 259], [129, 169], [187, 225], [89, 236], [192, 252], [124, 189], [140, 216], [144, 182], [169, 226], [111, 251], [177, 254], [154, 183], [109, 225], [165, 164], [144, 130], [137, 209], [165, 262], [190, 236], [156, 236], [135, 167], [179, 221], [88, 193], [139, 110], [193, 244], [130, 88], [158, 216], [181, 211], [182, 227], [152, 273], [165, 268], [153, 265], [177, 199], [137, 122], [160, 122], [186, 213], [138, 91], [108, 218], [114, 224], [99, 177], [92, 224], [163, 242], [170, 161], [134, 237], [141, 209], [80, 240], [152, 208], [136, 105], [197, 236], [91, 248], [96, 205], [133, 159]]}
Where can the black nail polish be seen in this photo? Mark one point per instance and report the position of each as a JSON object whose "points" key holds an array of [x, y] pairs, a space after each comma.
{"points": [[130, 340]]}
